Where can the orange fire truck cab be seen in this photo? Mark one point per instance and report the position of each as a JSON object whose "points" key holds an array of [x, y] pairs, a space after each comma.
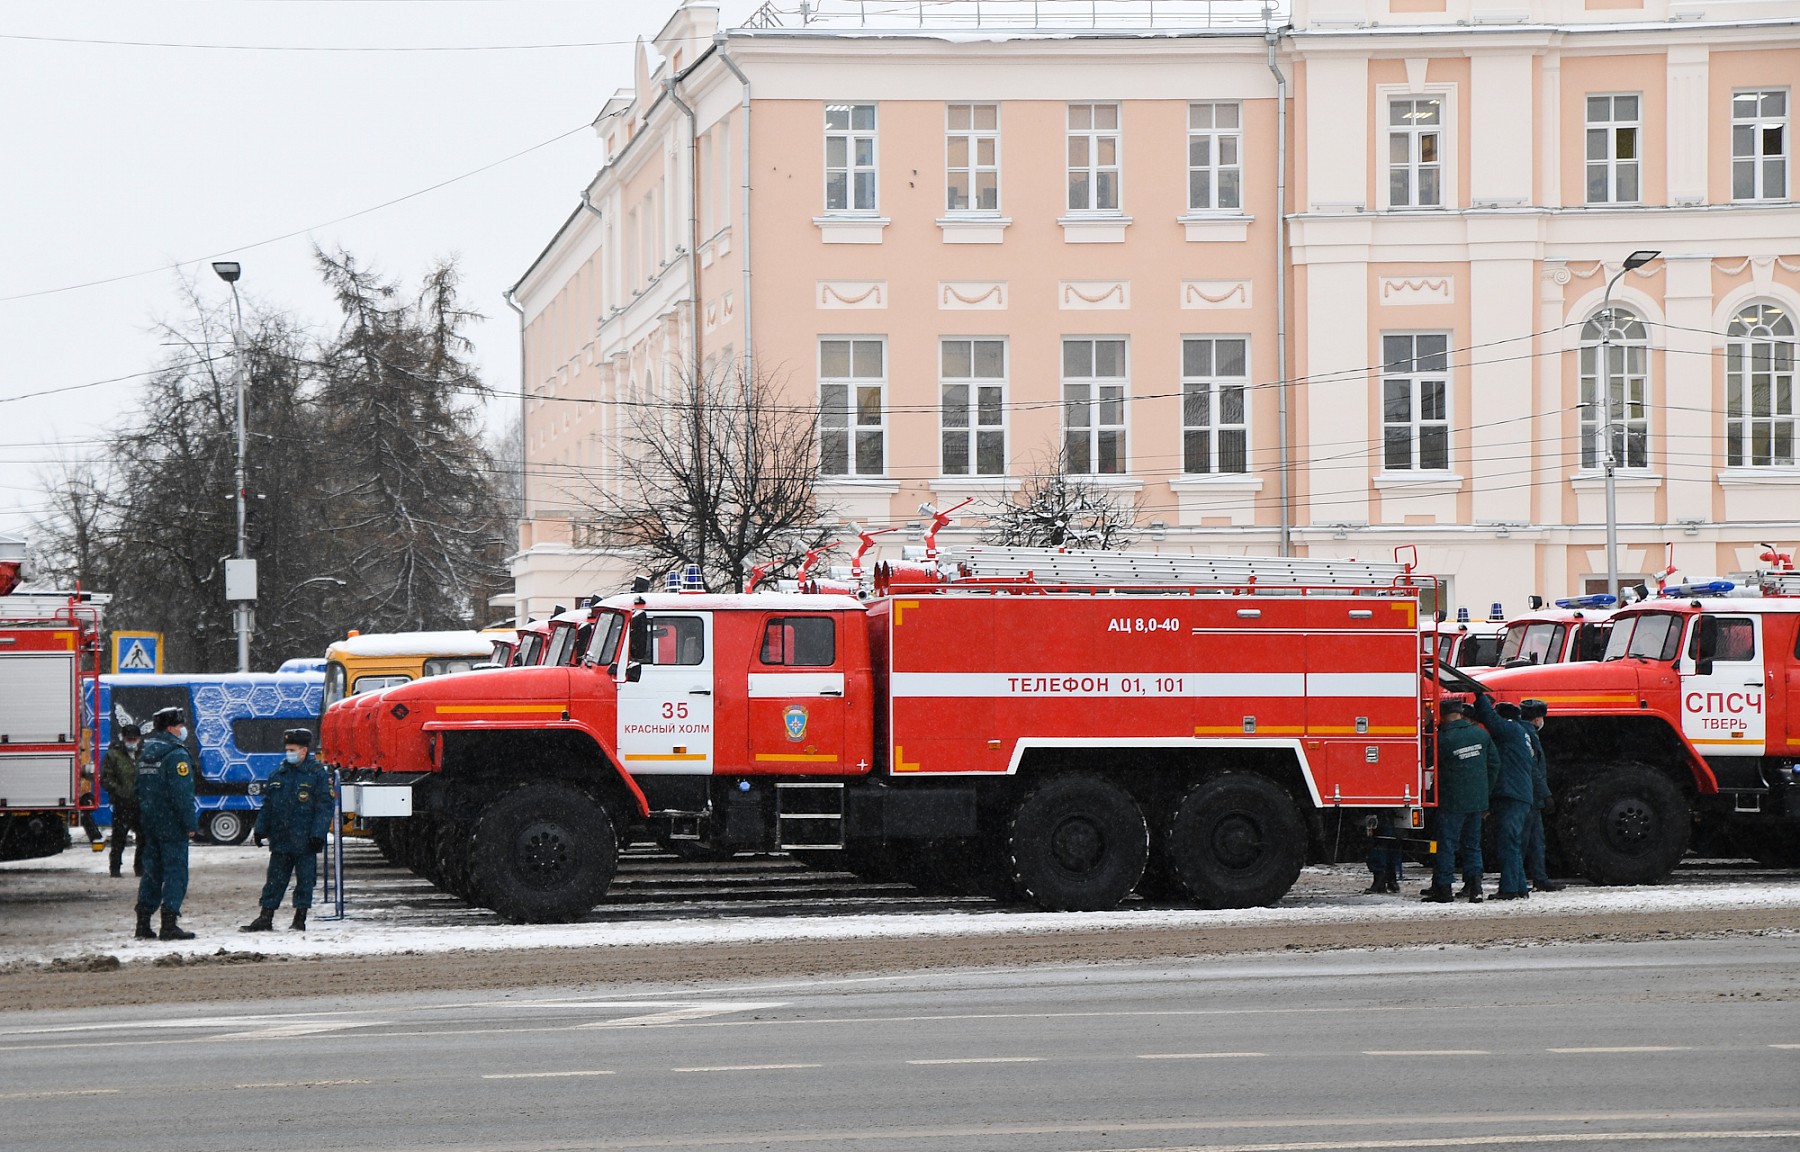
{"points": [[1051, 742]]}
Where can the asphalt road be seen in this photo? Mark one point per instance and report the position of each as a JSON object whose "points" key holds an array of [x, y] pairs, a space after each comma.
{"points": [[1684, 1044]]}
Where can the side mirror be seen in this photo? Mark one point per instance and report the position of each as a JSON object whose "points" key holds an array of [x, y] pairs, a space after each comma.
{"points": [[637, 648], [1703, 666], [634, 673]]}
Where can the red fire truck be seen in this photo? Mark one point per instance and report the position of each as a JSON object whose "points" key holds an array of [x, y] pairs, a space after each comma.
{"points": [[50, 642], [1054, 724], [1688, 723]]}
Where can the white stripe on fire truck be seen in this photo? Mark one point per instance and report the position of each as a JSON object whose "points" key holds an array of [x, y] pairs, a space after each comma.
{"points": [[1233, 685]]}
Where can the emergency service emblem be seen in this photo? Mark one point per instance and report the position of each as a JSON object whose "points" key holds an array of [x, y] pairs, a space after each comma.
{"points": [[795, 721], [181, 769]]}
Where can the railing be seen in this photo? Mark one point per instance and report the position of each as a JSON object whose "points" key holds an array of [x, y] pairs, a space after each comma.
{"points": [[1020, 15]]}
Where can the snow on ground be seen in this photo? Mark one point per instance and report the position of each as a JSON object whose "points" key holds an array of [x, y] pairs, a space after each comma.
{"points": [[1324, 896]]}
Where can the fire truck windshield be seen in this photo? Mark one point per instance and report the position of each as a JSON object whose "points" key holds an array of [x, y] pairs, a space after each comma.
{"points": [[1536, 643], [603, 649], [1651, 635]]}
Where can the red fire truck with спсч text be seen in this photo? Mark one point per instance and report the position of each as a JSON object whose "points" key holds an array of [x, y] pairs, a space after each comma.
{"points": [[1056, 727]]}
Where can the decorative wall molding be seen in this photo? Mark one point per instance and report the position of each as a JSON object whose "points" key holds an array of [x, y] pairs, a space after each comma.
{"points": [[1215, 293], [1093, 294], [1404, 291], [971, 294], [852, 294]]}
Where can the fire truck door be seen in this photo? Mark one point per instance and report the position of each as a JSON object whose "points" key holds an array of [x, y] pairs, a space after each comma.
{"points": [[796, 698], [666, 712], [1724, 698]]}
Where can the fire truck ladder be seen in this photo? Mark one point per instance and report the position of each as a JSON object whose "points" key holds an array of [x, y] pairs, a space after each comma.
{"points": [[1779, 583], [1146, 569]]}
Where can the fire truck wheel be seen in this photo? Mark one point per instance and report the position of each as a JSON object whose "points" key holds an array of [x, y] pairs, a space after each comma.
{"points": [[542, 853], [421, 845], [1629, 826], [382, 833], [1077, 843], [1236, 841], [451, 871]]}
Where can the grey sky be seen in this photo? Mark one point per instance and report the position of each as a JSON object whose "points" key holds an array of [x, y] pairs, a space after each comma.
{"points": [[127, 159]]}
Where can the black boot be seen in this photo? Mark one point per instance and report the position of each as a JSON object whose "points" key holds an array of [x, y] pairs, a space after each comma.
{"points": [[264, 922], [1471, 891], [1546, 885], [144, 931], [1437, 895], [172, 930], [299, 924]]}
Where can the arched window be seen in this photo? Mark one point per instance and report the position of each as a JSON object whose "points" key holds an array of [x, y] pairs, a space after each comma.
{"points": [[1615, 353], [1759, 388]]}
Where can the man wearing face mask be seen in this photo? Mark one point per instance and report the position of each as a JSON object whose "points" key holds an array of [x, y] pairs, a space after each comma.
{"points": [[296, 811], [118, 773], [166, 818]]}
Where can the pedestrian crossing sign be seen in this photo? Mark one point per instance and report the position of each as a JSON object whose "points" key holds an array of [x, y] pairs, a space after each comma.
{"points": [[137, 652]]}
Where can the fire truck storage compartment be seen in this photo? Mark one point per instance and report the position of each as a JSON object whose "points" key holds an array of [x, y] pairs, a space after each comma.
{"points": [[36, 779], [37, 697]]}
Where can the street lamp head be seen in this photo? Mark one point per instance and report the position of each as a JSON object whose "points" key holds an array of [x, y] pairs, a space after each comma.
{"points": [[230, 270], [1637, 259]]}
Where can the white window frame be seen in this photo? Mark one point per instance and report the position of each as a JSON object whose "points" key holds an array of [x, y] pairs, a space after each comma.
{"points": [[1385, 95], [1203, 394], [974, 427], [972, 138], [1765, 330], [850, 136], [1092, 170], [1756, 159], [1419, 382], [1629, 378], [848, 419], [1101, 397], [1610, 165], [1218, 140]]}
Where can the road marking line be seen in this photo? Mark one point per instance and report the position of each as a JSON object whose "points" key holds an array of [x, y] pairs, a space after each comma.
{"points": [[540, 1075], [1427, 1052], [1469, 1141], [1641, 1048], [1197, 1055], [60, 1092], [300, 1084], [745, 1067], [1784, 1045], [983, 1060]]}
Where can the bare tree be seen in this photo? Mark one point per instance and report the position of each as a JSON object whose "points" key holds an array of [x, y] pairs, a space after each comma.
{"points": [[719, 474], [1055, 508]]}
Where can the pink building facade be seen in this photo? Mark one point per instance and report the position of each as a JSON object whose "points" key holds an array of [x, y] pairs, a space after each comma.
{"points": [[987, 250]]}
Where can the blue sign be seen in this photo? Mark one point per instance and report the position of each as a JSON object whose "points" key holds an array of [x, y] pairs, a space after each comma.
{"points": [[138, 653]]}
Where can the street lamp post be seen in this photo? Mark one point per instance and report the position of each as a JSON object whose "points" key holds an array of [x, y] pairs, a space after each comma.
{"points": [[1608, 458], [236, 588]]}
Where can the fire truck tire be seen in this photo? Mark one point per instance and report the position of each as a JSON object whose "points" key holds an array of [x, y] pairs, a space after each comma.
{"points": [[451, 863], [1077, 843], [1774, 847], [382, 833], [1627, 826], [542, 854], [1236, 840], [421, 845], [229, 827]]}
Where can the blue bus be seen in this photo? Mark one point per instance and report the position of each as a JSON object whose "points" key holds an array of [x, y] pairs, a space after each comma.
{"points": [[236, 724]]}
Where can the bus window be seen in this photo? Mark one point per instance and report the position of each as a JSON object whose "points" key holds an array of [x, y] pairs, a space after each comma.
{"points": [[377, 683], [444, 665]]}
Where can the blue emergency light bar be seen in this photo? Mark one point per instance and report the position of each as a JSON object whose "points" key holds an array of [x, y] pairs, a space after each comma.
{"points": [[1462, 615], [690, 579], [674, 581], [1496, 612], [1597, 600], [1699, 588]]}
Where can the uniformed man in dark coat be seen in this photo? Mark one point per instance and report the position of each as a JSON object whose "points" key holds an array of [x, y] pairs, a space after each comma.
{"points": [[1533, 712], [118, 773], [296, 811], [1513, 793], [166, 818], [1466, 768]]}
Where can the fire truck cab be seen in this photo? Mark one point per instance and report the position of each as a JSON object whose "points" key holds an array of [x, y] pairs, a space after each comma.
{"points": [[1574, 630], [1021, 732], [1690, 717]]}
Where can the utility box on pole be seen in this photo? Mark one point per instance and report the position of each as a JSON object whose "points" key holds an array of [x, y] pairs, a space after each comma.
{"points": [[240, 579]]}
